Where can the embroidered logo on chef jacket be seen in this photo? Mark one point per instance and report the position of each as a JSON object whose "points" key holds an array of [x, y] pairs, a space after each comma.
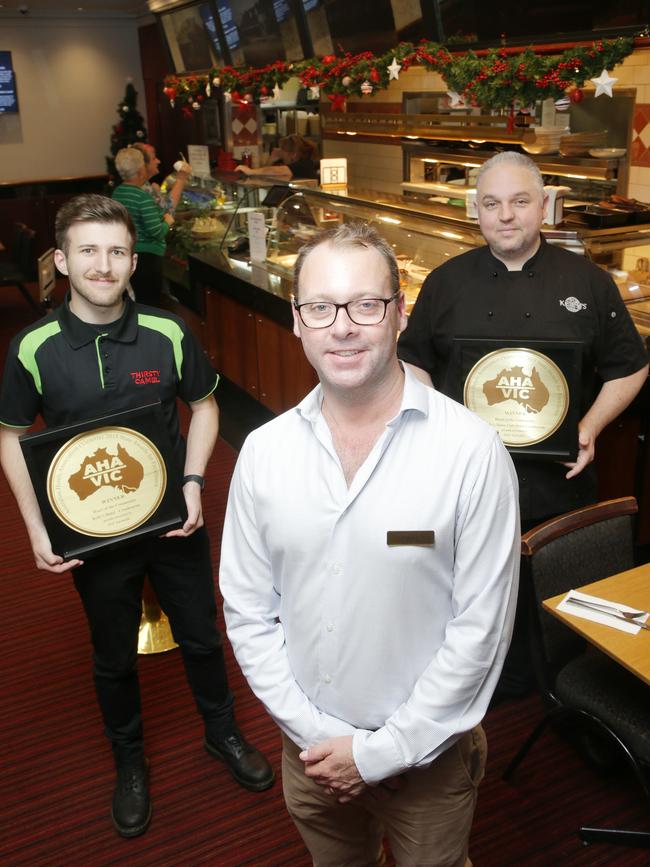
{"points": [[572, 304]]}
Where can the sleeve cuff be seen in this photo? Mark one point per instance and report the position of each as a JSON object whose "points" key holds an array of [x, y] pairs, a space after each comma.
{"points": [[376, 755]]}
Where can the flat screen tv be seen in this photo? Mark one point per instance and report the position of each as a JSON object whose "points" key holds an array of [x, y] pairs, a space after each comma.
{"points": [[252, 31], [8, 93], [488, 23], [192, 38]]}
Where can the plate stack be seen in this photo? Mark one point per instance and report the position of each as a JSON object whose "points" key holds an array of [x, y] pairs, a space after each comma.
{"points": [[546, 140], [579, 144]]}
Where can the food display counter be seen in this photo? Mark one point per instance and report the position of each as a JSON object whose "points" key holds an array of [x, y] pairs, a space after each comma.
{"points": [[423, 235]]}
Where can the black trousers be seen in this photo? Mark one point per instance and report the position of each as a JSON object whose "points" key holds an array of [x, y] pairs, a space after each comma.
{"points": [[110, 587], [147, 279]]}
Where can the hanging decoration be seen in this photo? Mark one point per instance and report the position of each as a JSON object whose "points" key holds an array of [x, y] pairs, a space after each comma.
{"points": [[604, 83], [493, 80], [394, 69]]}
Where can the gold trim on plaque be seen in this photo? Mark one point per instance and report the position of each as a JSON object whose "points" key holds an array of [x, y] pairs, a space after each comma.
{"points": [[520, 392], [107, 481]]}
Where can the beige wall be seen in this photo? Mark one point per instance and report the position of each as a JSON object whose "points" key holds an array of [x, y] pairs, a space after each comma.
{"points": [[70, 80]]}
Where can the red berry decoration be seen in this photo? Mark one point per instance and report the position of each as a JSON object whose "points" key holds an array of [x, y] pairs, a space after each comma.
{"points": [[576, 96]]}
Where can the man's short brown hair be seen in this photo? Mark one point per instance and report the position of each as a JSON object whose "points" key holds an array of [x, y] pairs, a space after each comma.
{"points": [[90, 208], [355, 234]]}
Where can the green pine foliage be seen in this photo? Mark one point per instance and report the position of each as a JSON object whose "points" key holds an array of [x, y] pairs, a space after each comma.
{"points": [[129, 129]]}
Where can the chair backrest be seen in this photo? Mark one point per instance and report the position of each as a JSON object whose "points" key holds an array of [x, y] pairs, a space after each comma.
{"points": [[25, 255], [566, 552]]}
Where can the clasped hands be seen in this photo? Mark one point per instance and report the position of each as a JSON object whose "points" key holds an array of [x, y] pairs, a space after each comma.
{"points": [[331, 764]]}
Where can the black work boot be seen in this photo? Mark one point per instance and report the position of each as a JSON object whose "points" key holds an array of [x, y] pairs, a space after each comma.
{"points": [[131, 808], [247, 765]]}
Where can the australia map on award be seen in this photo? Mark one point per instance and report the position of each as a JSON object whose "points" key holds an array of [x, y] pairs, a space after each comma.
{"points": [[526, 389], [120, 471], [521, 392], [106, 481]]}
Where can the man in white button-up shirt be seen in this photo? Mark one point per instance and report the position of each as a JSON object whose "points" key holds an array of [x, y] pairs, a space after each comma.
{"points": [[369, 570]]}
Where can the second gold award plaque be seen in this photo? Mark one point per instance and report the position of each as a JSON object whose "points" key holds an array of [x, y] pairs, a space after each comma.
{"points": [[520, 392], [106, 481]]}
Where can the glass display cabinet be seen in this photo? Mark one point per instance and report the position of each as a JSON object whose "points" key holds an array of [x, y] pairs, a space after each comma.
{"points": [[422, 239]]}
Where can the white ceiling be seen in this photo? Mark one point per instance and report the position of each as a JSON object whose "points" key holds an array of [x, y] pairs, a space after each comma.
{"points": [[27, 9]]}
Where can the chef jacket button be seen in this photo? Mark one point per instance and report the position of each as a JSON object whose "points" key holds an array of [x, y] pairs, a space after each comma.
{"points": [[330, 627], [531, 273], [490, 313], [495, 274], [527, 314], [327, 678], [613, 314]]}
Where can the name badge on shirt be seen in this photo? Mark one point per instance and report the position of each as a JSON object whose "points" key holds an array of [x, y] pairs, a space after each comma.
{"points": [[410, 537]]}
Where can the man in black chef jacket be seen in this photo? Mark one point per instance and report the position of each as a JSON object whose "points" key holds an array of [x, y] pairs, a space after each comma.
{"points": [[520, 287]]}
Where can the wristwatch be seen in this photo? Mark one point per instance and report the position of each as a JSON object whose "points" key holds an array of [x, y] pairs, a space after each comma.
{"points": [[200, 481]]}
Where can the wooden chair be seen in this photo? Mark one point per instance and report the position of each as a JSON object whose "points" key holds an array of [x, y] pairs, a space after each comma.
{"points": [[578, 682], [21, 268]]}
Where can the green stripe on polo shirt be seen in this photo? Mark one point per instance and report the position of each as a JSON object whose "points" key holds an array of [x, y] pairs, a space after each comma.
{"points": [[169, 329], [29, 346]]}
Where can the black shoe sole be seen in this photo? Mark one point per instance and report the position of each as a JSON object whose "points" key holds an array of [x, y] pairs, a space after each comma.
{"points": [[262, 786], [132, 832]]}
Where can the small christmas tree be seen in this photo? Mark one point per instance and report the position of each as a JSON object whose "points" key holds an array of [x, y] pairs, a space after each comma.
{"points": [[129, 129]]}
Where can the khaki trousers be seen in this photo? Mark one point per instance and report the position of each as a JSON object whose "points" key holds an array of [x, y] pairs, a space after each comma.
{"points": [[427, 820]]}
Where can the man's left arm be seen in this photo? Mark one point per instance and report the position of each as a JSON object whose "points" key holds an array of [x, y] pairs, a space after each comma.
{"points": [[614, 396], [452, 694], [201, 437]]}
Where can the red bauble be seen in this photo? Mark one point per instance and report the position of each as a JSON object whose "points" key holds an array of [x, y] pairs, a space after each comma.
{"points": [[374, 75], [576, 96]]}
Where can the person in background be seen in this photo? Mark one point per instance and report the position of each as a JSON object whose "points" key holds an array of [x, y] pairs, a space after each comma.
{"points": [[151, 225], [169, 199], [520, 287], [295, 158], [80, 364], [369, 572]]}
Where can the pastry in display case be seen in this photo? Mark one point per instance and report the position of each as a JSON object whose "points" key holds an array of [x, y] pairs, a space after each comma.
{"points": [[420, 242]]}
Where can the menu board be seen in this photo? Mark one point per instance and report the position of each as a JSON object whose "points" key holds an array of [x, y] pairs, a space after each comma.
{"points": [[8, 95]]}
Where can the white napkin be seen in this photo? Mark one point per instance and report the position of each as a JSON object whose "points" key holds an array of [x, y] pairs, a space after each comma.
{"points": [[600, 616]]}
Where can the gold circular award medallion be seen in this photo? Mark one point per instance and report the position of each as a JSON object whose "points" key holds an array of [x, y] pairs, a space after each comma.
{"points": [[520, 392], [107, 481]]}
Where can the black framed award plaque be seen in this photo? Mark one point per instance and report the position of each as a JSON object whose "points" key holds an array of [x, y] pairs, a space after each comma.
{"points": [[529, 390], [105, 482]]}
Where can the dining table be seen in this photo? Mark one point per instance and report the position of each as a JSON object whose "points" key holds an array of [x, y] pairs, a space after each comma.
{"points": [[630, 588], [631, 650]]}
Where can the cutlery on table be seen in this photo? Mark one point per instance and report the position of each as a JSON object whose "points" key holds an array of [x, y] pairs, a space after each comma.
{"points": [[612, 610]]}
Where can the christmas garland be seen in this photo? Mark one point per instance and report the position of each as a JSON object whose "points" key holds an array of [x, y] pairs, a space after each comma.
{"points": [[494, 80]]}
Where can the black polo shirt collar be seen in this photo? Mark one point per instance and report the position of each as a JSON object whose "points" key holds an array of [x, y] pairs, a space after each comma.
{"points": [[497, 268], [79, 333]]}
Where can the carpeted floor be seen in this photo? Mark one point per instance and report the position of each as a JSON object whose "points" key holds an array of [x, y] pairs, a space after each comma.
{"points": [[56, 773]]}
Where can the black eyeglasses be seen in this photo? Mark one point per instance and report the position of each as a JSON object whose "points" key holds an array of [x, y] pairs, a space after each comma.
{"points": [[363, 311]]}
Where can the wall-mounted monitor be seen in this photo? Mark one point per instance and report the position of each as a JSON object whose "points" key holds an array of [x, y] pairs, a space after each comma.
{"points": [[8, 92], [192, 37], [537, 19], [252, 30]]}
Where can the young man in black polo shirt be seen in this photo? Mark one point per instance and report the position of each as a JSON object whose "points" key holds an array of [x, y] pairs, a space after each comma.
{"points": [[102, 353]]}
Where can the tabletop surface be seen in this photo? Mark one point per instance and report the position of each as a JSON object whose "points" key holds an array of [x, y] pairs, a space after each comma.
{"points": [[629, 588]]}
